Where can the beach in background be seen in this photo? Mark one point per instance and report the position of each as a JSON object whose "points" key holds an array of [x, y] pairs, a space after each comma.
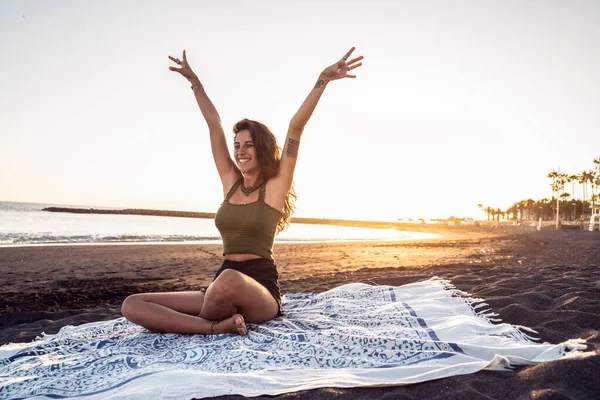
{"points": [[547, 280]]}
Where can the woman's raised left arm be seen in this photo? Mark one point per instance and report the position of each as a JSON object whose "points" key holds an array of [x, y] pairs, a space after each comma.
{"points": [[338, 70]]}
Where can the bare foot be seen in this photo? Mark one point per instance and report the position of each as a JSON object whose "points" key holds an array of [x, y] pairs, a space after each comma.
{"points": [[233, 324]]}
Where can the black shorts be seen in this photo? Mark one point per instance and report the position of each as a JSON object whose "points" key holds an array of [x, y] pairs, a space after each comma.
{"points": [[261, 270]]}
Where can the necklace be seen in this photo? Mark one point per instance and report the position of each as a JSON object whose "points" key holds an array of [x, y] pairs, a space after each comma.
{"points": [[248, 190]]}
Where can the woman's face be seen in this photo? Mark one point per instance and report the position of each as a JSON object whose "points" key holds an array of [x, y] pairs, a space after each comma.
{"points": [[244, 152]]}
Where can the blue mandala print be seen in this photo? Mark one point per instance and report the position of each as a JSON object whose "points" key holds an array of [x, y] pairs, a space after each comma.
{"points": [[366, 328]]}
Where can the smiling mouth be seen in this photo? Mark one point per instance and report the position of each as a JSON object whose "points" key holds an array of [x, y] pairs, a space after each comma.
{"points": [[243, 160]]}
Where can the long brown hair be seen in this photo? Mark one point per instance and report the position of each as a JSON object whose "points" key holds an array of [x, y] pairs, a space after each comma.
{"points": [[269, 157]]}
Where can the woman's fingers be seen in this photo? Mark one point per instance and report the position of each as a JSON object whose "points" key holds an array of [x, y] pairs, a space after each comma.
{"points": [[178, 61], [349, 65], [354, 60], [354, 66], [348, 53]]}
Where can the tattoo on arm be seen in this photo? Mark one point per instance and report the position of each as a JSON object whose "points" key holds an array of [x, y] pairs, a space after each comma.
{"points": [[319, 83], [292, 148]]}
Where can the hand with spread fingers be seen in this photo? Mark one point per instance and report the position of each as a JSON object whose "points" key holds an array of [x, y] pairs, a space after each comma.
{"points": [[184, 68], [341, 68]]}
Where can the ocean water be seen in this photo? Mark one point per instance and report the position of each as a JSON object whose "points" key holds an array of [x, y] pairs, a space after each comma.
{"points": [[26, 224]]}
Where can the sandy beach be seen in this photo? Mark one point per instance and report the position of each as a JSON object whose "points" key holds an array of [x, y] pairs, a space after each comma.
{"points": [[549, 281]]}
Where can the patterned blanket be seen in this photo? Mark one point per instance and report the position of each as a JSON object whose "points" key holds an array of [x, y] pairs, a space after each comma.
{"points": [[354, 335]]}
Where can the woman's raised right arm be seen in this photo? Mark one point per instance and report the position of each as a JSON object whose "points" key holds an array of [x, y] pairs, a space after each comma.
{"points": [[227, 169]]}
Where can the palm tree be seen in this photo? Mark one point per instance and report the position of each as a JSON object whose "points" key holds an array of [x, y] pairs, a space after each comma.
{"points": [[528, 204], [489, 211], [552, 175], [595, 181], [572, 179], [519, 210], [589, 177], [514, 210], [563, 179], [520, 207], [558, 184], [582, 180], [597, 164], [545, 207]]}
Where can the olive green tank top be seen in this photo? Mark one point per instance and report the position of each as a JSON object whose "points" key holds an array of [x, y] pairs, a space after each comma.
{"points": [[247, 228]]}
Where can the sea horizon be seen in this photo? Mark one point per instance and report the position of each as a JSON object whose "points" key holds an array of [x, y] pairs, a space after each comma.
{"points": [[25, 224]]}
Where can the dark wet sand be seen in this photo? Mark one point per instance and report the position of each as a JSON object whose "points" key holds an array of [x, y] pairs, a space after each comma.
{"points": [[549, 281]]}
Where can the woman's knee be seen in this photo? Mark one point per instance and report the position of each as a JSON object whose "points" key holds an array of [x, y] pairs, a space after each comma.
{"points": [[131, 304], [229, 283]]}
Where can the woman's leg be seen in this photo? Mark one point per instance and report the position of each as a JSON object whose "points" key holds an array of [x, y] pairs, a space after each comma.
{"points": [[177, 313], [234, 292]]}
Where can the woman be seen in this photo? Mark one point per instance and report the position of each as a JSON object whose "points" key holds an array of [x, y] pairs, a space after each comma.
{"points": [[257, 187]]}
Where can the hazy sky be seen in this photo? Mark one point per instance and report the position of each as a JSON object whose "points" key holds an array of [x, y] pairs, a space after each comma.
{"points": [[457, 103]]}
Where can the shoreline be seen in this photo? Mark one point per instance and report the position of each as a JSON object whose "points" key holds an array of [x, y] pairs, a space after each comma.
{"points": [[219, 242], [426, 232]]}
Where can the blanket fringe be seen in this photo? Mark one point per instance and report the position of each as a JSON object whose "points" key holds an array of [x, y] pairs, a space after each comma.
{"points": [[482, 310]]}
